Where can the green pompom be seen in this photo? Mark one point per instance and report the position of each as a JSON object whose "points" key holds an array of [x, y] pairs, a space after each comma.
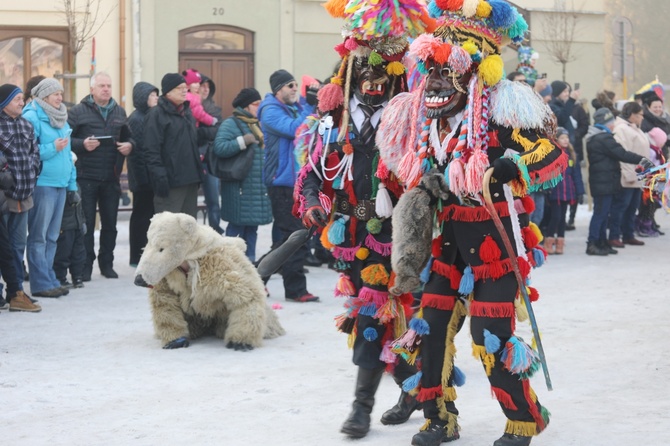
{"points": [[374, 226], [375, 58]]}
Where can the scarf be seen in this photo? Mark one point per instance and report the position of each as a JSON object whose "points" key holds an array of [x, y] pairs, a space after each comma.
{"points": [[252, 123], [57, 116]]}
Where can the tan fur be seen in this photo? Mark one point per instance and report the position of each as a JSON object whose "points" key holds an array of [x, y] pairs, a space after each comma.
{"points": [[222, 294], [413, 231]]}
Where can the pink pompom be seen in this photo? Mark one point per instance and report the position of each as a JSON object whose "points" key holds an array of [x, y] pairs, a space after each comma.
{"points": [[424, 47], [351, 44], [330, 97], [341, 49]]}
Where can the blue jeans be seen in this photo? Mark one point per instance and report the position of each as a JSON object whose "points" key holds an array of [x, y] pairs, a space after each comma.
{"points": [[538, 213], [17, 226], [601, 211], [210, 188], [622, 216], [249, 234], [44, 221]]}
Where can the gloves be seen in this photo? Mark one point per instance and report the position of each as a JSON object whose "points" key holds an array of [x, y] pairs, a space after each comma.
{"points": [[504, 170], [161, 187], [644, 165], [249, 139], [72, 198], [311, 96], [177, 343], [315, 216], [214, 121], [580, 198]]}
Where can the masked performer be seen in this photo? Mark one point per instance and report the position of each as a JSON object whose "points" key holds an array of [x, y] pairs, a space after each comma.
{"points": [[344, 189], [439, 141]]}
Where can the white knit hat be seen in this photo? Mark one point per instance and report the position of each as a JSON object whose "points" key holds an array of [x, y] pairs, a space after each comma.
{"points": [[46, 87]]}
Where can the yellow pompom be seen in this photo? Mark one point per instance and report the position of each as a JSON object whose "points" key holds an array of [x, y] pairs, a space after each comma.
{"points": [[395, 69], [533, 227], [483, 9], [470, 47], [362, 253], [491, 69]]}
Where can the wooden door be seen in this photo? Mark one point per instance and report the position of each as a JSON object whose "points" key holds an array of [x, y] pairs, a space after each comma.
{"points": [[222, 53]]}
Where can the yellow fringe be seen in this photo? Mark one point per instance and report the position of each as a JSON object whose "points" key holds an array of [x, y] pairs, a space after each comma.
{"points": [[449, 394], [457, 314], [523, 428], [479, 352], [539, 153], [351, 338], [426, 425], [532, 394]]}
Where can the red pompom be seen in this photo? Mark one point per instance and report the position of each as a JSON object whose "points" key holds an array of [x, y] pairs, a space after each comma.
{"points": [[529, 238], [533, 295], [528, 204], [449, 5], [436, 248], [341, 49], [489, 250], [524, 267], [442, 53]]}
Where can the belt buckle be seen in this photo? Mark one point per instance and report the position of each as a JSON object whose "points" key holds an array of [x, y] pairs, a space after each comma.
{"points": [[363, 211], [344, 207]]}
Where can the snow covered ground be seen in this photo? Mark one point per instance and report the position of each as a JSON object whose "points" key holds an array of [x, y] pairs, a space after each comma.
{"points": [[88, 371]]}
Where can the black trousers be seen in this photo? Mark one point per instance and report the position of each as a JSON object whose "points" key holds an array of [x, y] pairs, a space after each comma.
{"points": [[7, 267], [281, 199], [140, 218], [70, 253], [103, 195]]}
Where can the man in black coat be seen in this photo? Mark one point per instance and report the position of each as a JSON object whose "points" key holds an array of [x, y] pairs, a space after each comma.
{"points": [[605, 154], [171, 144], [101, 140]]}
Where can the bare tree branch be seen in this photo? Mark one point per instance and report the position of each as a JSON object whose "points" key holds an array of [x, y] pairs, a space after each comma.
{"points": [[561, 30], [83, 23]]}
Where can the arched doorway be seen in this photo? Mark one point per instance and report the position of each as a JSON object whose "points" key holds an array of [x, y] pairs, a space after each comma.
{"points": [[223, 53]]}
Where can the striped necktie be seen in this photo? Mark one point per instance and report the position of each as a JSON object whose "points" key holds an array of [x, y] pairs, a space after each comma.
{"points": [[367, 132]]}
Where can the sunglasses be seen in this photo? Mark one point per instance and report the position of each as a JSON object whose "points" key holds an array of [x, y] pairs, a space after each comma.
{"points": [[292, 84]]}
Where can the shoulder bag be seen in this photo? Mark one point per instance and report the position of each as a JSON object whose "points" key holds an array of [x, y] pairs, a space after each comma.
{"points": [[235, 168]]}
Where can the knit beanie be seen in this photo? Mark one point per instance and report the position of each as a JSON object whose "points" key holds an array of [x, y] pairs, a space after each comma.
{"points": [[648, 97], [658, 137], [603, 116], [245, 97], [171, 81], [280, 78], [561, 131], [558, 87], [191, 76], [7, 93], [46, 87]]}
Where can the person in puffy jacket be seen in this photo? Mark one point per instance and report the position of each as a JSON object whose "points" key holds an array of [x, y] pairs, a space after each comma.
{"points": [[569, 190], [58, 179], [247, 203], [145, 96], [193, 79]]}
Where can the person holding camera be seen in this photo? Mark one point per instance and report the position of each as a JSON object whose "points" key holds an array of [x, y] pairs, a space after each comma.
{"points": [[101, 140]]}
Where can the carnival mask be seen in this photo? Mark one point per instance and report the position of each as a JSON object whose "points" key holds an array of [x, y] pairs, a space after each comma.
{"points": [[446, 91], [371, 83]]}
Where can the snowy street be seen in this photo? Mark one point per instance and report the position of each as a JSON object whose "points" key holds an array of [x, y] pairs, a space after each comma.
{"points": [[87, 370]]}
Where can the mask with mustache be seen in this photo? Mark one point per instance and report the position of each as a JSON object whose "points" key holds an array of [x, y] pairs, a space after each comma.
{"points": [[371, 84], [446, 92]]}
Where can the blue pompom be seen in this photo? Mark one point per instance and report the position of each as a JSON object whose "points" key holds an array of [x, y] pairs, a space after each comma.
{"points": [[420, 326], [467, 282], [457, 376], [538, 255], [370, 334], [412, 382], [491, 342], [502, 14], [337, 183], [336, 232], [421, 66], [434, 10], [368, 310], [425, 274]]}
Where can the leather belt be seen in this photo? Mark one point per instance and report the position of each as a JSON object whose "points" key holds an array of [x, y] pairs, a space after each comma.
{"points": [[364, 210]]}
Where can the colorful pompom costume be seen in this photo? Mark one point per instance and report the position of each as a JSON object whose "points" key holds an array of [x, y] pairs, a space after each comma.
{"points": [[463, 120], [343, 177]]}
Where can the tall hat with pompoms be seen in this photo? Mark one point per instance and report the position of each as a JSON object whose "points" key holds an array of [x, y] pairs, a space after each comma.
{"points": [[376, 30]]}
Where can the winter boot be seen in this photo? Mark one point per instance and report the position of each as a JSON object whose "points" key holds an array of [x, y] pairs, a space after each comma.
{"points": [[645, 229], [594, 249], [401, 412], [512, 440], [357, 424], [549, 245], [560, 244], [607, 247], [570, 225], [435, 434]]}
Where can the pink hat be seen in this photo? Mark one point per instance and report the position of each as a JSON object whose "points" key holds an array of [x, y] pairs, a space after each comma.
{"points": [[191, 76], [658, 137]]}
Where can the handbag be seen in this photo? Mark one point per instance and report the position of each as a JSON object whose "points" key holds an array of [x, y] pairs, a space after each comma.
{"points": [[235, 168]]}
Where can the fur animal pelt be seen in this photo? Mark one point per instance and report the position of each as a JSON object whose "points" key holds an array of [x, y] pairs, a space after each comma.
{"points": [[203, 283], [413, 230]]}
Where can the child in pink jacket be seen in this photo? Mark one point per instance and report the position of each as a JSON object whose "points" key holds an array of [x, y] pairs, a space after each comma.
{"points": [[193, 80]]}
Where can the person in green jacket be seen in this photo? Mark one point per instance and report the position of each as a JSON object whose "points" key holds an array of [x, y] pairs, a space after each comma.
{"points": [[244, 204]]}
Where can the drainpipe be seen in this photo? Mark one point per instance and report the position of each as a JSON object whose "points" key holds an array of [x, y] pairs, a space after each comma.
{"points": [[122, 51], [137, 66]]}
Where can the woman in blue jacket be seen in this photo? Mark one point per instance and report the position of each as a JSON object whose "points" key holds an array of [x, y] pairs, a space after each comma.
{"points": [[245, 204], [569, 190], [56, 184]]}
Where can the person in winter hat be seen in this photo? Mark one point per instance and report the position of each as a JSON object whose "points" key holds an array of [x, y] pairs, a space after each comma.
{"points": [[562, 104], [193, 79]]}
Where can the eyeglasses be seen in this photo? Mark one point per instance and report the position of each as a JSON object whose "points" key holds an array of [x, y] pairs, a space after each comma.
{"points": [[292, 84]]}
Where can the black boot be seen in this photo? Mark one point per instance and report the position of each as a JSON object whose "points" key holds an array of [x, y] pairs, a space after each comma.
{"points": [[435, 434], [401, 412], [606, 247], [357, 424], [594, 249], [512, 440]]}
